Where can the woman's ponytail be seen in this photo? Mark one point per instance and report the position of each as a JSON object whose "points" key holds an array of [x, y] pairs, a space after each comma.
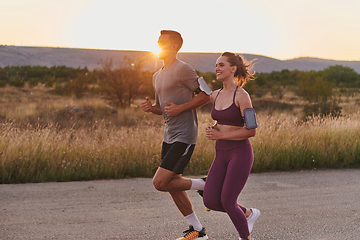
{"points": [[242, 74]]}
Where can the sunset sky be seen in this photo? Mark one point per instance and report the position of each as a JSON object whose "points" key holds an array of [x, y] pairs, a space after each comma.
{"points": [[281, 29]]}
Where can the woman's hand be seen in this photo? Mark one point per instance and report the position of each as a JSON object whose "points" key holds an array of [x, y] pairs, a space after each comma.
{"points": [[212, 133]]}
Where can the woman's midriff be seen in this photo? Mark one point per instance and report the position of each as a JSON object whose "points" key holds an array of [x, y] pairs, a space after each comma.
{"points": [[222, 144], [226, 128]]}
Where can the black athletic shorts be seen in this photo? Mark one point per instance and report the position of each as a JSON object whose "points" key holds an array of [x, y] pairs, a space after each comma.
{"points": [[176, 156]]}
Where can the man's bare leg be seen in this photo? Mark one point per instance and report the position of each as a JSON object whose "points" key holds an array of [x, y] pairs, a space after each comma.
{"points": [[182, 201], [167, 181]]}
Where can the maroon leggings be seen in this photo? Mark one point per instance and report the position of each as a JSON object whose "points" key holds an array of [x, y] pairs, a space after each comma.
{"points": [[226, 179]]}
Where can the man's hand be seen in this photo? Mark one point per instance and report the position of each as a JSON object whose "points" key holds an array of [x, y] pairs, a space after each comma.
{"points": [[172, 109], [146, 105]]}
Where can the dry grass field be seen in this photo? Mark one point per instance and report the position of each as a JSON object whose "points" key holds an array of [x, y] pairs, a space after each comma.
{"points": [[46, 137]]}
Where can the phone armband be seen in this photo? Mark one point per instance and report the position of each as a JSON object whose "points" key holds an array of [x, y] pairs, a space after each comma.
{"points": [[203, 87], [250, 118]]}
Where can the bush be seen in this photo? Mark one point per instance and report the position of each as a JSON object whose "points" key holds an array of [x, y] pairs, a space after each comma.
{"points": [[2, 83], [59, 90], [16, 82], [33, 82]]}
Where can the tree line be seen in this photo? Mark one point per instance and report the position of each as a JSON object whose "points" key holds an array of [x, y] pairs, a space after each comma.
{"points": [[118, 82], [122, 82], [315, 87]]}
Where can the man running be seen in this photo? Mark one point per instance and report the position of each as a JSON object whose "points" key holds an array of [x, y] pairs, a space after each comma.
{"points": [[174, 85]]}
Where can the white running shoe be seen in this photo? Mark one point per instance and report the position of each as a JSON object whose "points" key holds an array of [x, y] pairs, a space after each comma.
{"points": [[251, 220]]}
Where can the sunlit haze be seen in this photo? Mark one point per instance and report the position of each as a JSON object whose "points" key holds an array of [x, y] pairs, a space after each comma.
{"points": [[281, 29]]}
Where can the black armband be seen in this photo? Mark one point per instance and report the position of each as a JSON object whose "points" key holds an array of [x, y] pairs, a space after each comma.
{"points": [[197, 91]]}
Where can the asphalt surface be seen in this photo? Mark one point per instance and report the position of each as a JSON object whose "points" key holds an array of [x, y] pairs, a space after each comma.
{"points": [[316, 204]]}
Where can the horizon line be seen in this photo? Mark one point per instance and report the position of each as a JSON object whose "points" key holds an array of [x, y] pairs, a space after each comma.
{"points": [[207, 52]]}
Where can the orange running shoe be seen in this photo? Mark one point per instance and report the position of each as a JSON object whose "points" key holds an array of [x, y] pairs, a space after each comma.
{"points": [[192, 234]]}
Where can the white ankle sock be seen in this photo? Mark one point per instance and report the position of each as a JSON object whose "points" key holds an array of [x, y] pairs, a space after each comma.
{"points": [[197, 184], [194, 221], [250, 214]]}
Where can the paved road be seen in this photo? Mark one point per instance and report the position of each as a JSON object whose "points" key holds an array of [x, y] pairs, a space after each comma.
{"points": [[318, 205]]}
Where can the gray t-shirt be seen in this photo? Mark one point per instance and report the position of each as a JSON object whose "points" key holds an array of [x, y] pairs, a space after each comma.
{"points": [[177, 84]]}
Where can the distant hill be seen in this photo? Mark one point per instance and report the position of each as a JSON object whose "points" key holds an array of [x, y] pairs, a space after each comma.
{"points": [[203, 62]]}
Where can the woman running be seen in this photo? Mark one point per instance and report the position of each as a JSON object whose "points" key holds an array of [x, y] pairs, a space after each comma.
{"points": [[234, 155]]}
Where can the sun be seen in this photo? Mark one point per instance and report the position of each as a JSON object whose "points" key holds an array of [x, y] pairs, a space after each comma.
{"points": [[156, 51]]}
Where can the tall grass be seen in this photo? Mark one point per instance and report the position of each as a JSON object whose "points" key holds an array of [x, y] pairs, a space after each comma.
{"points": [[38, 147], [43, 154], [285, 143]]}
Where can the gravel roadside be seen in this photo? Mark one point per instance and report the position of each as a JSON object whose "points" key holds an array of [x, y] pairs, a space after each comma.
{"points": [[320, 204]]}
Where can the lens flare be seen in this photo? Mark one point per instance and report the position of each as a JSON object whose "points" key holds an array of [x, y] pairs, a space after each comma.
{"points": [[156, 52]]}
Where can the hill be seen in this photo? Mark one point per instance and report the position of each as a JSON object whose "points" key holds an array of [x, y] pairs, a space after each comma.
{"points": [[203, 62]]}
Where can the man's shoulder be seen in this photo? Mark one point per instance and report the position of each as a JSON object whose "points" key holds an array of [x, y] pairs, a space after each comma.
{"points": [[156, 73], [184, 64]]}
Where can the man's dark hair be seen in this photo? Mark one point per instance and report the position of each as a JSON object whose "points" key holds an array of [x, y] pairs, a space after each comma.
{"points": [[174, 36]]}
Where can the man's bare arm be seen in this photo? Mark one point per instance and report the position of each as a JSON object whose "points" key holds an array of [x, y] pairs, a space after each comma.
{"points": [[147, 106], [199, 100]]}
